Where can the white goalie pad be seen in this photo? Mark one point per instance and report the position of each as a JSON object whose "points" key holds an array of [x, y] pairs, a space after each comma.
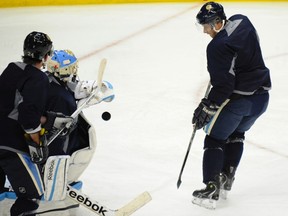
{"points": [[81, 158], [55, 177], [65, 207]]}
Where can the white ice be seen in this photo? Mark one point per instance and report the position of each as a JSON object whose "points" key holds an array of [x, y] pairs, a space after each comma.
{"points": [[157, 64]]}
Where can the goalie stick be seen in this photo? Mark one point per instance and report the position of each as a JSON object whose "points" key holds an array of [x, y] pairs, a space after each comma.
{"points": [[80, 108], [102, 210]]}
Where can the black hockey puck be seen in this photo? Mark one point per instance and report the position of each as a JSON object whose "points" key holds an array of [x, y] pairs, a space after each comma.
{"points": [[106, 116]]}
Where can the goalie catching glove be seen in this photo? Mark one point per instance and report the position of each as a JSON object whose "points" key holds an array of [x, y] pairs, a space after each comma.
{"points": [[106, 92], [204, 113]]}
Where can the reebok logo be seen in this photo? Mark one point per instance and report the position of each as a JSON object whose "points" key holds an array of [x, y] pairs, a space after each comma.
{"points": [[84, 200]]}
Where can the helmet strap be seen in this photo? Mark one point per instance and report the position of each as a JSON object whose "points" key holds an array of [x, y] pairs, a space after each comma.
{"points": [[213, 26]]}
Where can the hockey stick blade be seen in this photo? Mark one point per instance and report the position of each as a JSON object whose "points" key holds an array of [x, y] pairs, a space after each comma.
{"points": [[179, 182], [99, 209], [186, 156]]}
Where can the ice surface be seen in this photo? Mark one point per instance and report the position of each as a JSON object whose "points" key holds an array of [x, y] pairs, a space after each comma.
{"points": [[157, 64]]}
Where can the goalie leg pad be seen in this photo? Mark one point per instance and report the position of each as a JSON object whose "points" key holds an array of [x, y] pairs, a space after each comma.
{"points": [[55, 177], [81, 158]]}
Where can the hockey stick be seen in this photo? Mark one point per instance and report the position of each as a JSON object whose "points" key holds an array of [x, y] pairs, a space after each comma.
{"points": [[190, 143], [83, 105], [80, 198], [102, 210]]}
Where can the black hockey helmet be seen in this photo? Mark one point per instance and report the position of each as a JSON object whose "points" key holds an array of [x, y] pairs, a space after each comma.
{"points": [[37, 45], [209, 12]]}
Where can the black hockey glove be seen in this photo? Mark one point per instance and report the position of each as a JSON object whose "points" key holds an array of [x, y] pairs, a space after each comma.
{"points": [[57, 121], [204, 113], [38, 152]]}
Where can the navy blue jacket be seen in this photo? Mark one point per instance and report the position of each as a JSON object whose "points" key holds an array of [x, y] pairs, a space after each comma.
{"points": [[61, 99], [235, 61], [23, 92]]}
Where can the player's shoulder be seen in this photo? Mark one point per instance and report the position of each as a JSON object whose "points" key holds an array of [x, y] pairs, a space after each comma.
{"points": [[33, 77], [238, 16], [239, 19]]}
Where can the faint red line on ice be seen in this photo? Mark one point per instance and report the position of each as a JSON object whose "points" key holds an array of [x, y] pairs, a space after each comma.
{"points": [[276, 56], [116, 42], [267, 149]]}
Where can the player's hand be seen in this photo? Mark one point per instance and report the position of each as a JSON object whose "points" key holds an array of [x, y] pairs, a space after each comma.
{"points": [[204, 113]]}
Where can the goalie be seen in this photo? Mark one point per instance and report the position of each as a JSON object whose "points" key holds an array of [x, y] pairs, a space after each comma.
{"points": [[74, 147], [66, 93]]}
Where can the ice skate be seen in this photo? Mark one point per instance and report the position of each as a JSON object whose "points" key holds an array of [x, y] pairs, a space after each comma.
{"points": [[226, 182], [207, 197]]}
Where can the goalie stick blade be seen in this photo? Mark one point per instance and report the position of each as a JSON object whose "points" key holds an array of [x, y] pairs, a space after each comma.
{"points": [[134, 205], [85, 201], [99, 209]]}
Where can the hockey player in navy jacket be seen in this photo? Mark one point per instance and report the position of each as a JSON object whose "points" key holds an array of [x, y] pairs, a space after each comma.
{"points": [[239, 95], [23, 94]]}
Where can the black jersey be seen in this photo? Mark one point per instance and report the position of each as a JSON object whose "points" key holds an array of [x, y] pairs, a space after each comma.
{"points": [[23, 95], [235, 61], [61, 99]]}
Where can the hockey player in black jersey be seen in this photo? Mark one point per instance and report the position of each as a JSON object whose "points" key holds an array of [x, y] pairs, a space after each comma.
{"points": [[23, 95], [239, 95]]}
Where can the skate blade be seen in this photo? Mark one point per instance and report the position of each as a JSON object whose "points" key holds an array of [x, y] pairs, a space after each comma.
{"points": [[206, 203], [223, 194]]}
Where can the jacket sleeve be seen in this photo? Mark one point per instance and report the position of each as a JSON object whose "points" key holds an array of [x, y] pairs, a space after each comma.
{"points": [[221, 60], [34, 96]]}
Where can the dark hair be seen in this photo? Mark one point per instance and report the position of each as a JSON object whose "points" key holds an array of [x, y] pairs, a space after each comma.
{"points": [[29, 60]]}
